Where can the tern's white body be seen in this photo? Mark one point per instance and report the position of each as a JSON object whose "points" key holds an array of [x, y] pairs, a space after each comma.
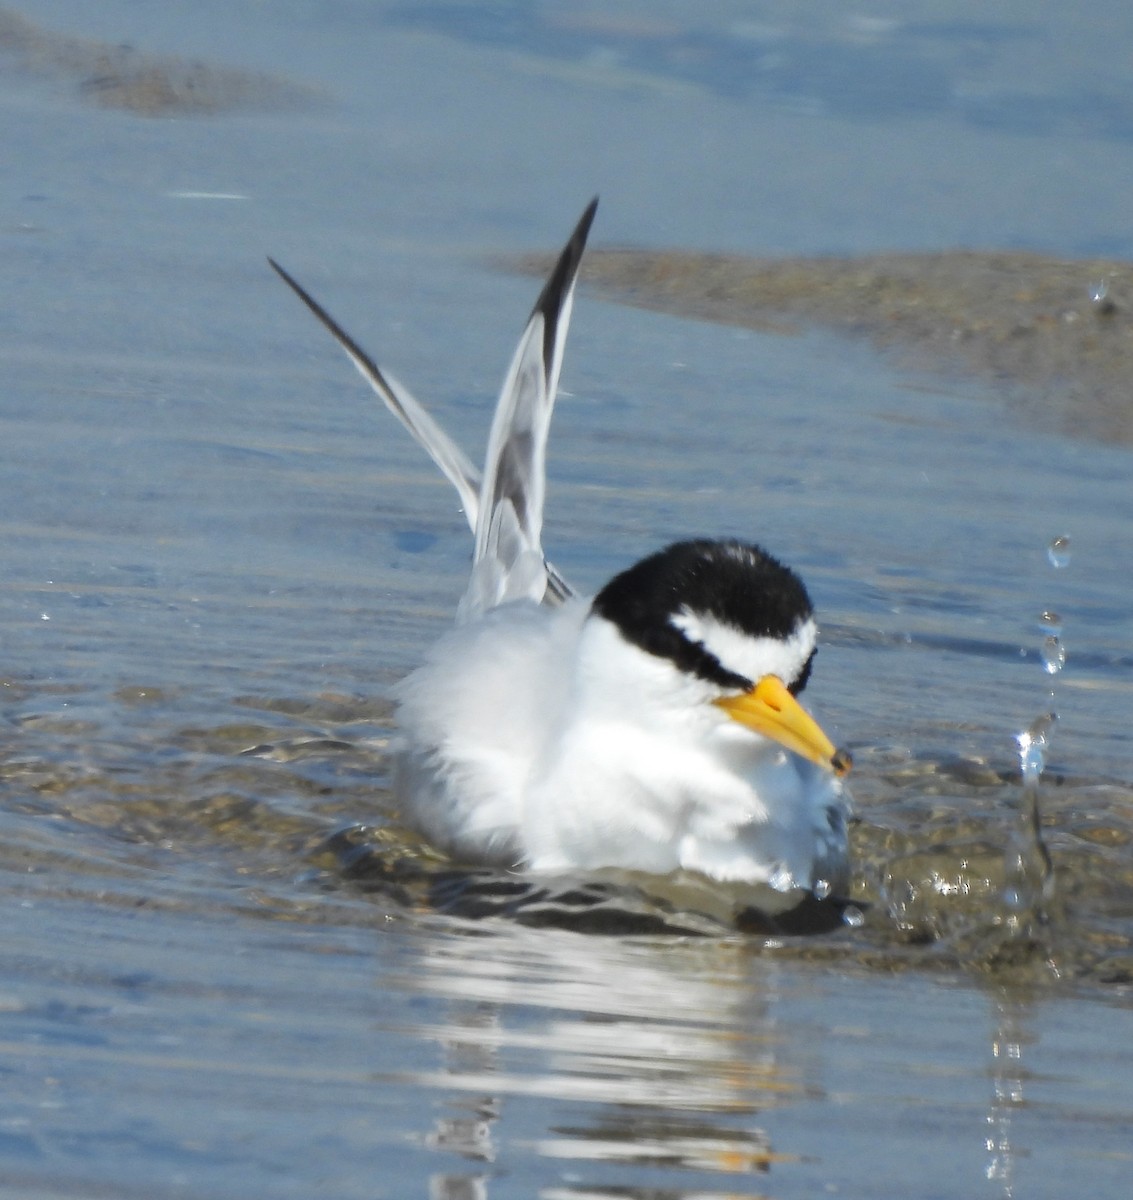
{"points": [[528, 744], [653, 728]]}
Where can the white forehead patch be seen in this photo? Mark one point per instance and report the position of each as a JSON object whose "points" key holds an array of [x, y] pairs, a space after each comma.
{"points": [[751, 657]]}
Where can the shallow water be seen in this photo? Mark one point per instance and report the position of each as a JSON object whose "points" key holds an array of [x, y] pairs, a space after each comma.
{"points": [[226, 970]]}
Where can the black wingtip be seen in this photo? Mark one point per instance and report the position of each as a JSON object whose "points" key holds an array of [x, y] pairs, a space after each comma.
{"points": [[337, 332], [317, 309], [561, 279], [299, 290], [280, 271]]}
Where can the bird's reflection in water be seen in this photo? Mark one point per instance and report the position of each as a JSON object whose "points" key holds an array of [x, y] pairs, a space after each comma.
{"points": [[637, 1058]]}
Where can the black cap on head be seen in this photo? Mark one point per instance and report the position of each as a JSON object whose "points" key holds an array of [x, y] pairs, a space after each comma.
{"points": [[736, 583]]}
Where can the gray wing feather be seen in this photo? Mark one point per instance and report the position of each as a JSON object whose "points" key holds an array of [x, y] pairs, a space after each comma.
{"points": [[504, 507], [453, 462], [509, 562]]}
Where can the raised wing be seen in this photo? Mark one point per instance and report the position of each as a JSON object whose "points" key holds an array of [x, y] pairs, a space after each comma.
{"points": [[453, 462], [509, 562], [505, 507]]}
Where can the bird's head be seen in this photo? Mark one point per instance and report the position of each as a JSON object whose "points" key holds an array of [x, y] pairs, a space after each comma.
{"points": [[731, 616]]}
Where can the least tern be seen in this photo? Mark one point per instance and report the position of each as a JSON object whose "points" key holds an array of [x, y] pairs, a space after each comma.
{"points": [[653, 727]]}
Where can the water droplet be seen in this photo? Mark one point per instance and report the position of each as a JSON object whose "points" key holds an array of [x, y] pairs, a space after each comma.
{"points": [[821, 889], [1041, 726], [1032, 743], [1059, 552], [1103, 302], [1032, 760], [781, 879], [853, 916], [1050, 622], [1054, 655], [1012, 898]]}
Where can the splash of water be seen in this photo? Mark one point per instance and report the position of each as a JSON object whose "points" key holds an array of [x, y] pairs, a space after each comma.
{"points": [[1028, 869], [1032, 743], [853, 917], [1053, 654]]}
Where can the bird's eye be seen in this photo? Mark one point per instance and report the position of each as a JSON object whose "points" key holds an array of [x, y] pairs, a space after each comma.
{"points": [[797, 686]]}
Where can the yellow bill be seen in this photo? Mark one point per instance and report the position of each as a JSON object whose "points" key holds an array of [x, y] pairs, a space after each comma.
{"points": [[771, 710]]}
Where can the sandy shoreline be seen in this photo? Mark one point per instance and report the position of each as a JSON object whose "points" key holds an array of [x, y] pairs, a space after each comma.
{"points": [[1054, 337]]}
